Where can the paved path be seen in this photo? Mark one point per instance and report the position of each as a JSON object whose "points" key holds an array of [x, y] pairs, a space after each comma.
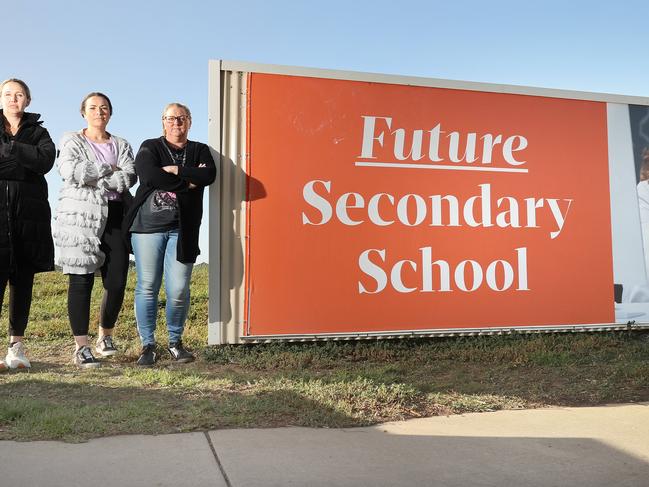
{"points": [[575, 447]]}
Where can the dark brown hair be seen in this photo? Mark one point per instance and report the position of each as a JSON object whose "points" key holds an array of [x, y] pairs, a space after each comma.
{"points": [[96, 93]]}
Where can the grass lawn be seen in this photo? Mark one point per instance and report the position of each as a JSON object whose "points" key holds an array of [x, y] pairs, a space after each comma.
{"points": [[329, 384]]}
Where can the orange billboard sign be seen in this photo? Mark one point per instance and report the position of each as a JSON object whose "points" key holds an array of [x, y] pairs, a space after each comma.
{"points": [[386, 207]]}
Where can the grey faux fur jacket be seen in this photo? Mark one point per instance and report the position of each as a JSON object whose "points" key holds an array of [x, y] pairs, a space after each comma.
{"points": [[83, 205]]}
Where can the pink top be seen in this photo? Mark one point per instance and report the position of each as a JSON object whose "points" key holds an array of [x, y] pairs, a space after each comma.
{"points": [[106, 153]]}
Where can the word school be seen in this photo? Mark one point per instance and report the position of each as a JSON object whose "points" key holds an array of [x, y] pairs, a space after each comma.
{"points": [[467, 276]]}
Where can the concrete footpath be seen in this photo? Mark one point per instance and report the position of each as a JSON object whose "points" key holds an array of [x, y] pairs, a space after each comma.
{"points": [[603, 446]]}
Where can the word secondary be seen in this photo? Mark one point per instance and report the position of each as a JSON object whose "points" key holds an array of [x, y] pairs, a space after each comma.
{"points": [[384, 209]]}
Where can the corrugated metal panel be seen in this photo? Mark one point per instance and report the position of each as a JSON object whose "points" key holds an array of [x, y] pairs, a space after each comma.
{"points": [[226, 313], [214, 222]]}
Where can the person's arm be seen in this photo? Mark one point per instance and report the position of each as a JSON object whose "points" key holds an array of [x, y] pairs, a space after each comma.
{"points": [[204, 173], [75, 167], [150, 172], [123, 176], [19, 157]]}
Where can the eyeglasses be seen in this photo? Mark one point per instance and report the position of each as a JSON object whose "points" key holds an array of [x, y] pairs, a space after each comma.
{"points": [[180, 119]]}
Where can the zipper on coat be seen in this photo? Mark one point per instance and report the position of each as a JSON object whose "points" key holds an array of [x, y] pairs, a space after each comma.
{"points": [[12, 256], [9, 226]]}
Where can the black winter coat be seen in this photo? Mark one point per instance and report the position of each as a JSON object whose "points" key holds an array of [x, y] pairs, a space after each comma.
{"points": [[149, 161], [25, 216]]}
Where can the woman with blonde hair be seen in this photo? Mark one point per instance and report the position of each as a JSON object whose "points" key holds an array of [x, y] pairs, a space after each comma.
{"points": [[163, 224], [26, 155]]}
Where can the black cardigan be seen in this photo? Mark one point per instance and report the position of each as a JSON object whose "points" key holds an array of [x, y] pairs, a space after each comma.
{"points": [[148, 165], [25, 227]]}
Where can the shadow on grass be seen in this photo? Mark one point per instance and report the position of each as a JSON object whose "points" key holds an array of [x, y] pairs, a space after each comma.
{"points": [[33, 409], [320, 385], [569, 369]]}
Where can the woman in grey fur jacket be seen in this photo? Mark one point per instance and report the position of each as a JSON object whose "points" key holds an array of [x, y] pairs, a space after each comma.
{"points": [[97, 170]]}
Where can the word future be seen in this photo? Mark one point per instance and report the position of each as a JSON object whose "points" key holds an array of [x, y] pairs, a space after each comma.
{"points": [[440, 147]]}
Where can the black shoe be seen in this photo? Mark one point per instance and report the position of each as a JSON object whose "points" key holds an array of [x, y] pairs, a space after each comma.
{"points": [[179, 353], [147, 356], [106, 347], [85, 359]]}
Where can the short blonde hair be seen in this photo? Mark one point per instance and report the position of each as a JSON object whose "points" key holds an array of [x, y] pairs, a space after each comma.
{"points": [[28, 93], [177, 105]]}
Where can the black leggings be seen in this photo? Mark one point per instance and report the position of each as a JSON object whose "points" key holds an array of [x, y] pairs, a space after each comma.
{"points": [[113, 275], [20, 299]]}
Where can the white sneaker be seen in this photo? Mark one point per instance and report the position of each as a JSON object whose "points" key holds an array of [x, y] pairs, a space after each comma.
{"points": [[16, 358]]}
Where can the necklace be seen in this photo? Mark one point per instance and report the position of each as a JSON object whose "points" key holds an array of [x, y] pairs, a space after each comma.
{"points": [[173, 159]]}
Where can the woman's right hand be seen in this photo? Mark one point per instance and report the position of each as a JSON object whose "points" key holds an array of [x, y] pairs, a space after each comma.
{"points": [[192, 185]]}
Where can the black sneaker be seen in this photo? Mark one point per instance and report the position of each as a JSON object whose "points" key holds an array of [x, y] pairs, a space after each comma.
{"points": [[106, 347], [179, 353], [85, 359], [147, 356]]}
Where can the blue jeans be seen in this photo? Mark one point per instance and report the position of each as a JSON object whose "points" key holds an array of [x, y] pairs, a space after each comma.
{"points": [[155, 253]]}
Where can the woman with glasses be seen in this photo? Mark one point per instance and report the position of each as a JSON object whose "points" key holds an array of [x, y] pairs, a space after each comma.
{"points": [[26, 155], [163, 223], [97, 170]]}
